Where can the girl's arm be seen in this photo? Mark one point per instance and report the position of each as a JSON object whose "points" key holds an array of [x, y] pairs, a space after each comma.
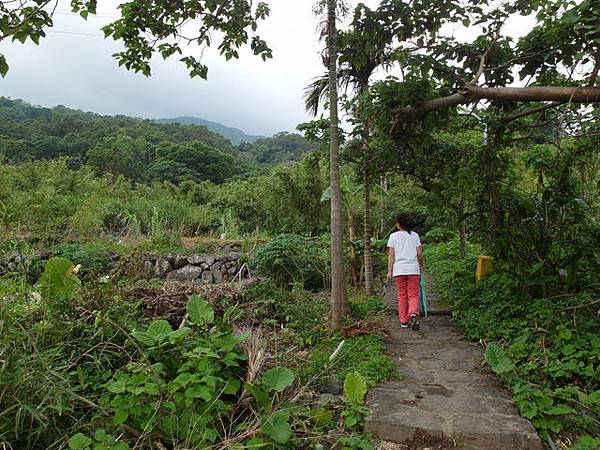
{"points": [[391, 258], [420, 257]]}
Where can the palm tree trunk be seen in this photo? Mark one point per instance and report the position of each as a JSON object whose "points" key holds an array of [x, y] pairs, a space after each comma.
{"points": [[338, 277], [367, 233]]}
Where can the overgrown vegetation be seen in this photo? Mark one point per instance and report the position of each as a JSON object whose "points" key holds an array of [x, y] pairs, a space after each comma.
{"points": [[86, 368], [545, 349]]}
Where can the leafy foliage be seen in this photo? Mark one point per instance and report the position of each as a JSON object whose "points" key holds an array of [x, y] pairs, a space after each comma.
{"points": [[498, 359], [282, 147], [290, 258], [145, 29]]}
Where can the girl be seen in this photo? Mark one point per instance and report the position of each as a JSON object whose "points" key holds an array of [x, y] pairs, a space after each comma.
{"points": [[405, 264]]}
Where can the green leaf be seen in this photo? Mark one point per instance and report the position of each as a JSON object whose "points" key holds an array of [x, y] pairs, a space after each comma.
{"points": [[355, 388], [178, 335], [277, 427], [79, 441], [200, 311], [321, 416], [350, 421], [593, 398], [277, 379], [58, 281], [3, 66], [232, 386], [559, 410], [498, 359], [198, 391], [159, 328], [261, 396], [120, 417], [569, 349]]}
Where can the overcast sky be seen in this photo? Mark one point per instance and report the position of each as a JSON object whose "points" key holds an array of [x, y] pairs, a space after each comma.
{"points": [[73, 67]]}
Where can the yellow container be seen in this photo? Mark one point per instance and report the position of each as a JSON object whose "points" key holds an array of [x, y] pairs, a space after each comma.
{"points": [[484, 265]]}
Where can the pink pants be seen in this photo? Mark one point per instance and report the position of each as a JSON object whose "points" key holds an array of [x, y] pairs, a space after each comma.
{"points": [[408, 296]]}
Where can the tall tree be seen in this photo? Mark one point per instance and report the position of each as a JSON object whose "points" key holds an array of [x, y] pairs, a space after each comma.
{"points": [[363, 48], [338, 273]]}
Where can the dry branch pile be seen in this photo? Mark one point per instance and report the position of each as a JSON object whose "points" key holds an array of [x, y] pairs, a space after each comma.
{"points": [[168, 300]]}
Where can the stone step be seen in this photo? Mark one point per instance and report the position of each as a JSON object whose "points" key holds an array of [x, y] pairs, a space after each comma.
{"points": [[410, 424]]}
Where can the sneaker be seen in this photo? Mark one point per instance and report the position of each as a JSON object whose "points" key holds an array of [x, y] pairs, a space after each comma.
{"points": [[403, 325], [414, 322]]}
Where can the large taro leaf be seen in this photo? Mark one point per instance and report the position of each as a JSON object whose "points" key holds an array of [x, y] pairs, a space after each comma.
{"points": [[277, 378], [200, 311], [498, 359]]}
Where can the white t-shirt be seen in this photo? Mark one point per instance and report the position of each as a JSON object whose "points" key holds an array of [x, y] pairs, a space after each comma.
{"points": [[405, 250]]}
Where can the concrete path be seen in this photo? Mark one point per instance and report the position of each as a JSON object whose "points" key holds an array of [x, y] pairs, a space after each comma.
{"points": [[447, 398]]}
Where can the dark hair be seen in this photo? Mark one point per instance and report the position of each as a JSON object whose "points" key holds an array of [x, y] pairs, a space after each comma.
{"points": [[405, 221]]}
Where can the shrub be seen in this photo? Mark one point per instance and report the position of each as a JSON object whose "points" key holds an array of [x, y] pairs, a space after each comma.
{"points": [[289, 259], [363, 308], [94, 258]]}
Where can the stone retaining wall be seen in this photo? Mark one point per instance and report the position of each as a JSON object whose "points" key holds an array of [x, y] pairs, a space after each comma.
{"points": [[201, 269]]}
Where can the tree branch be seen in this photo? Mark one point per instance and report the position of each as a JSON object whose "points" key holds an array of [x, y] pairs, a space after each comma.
{"points": [[473, 93], [528, 112]]}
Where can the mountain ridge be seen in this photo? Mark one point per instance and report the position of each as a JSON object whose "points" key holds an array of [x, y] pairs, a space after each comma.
{"points": [[235, 135]]}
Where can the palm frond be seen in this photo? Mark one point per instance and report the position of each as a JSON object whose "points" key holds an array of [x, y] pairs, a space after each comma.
{"points": [[315, 93]]}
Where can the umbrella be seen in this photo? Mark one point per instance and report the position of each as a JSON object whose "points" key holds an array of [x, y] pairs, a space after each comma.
{"points": [[423, 296]]}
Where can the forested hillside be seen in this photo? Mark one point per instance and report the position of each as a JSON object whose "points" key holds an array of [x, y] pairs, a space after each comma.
{"points": [[278, 149], [140, 150], [235, 135]]}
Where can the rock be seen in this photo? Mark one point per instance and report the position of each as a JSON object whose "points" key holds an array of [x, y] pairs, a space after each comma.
{"points": [[232, 270], [180, 261], [234, 256], [162, 267], [170, 257], [204, 266], [217, 276], [148, 266], [210, 260], [42, 253], [196, 259], [186, 273], [328, 399], [217, 265], [207, 277], [333, 385]]}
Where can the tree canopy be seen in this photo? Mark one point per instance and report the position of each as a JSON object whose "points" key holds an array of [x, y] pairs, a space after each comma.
{"points": [[149, 27]]}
